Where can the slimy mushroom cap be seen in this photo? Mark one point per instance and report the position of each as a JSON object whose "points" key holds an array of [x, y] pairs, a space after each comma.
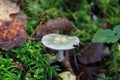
{"points": [[60, 42]]}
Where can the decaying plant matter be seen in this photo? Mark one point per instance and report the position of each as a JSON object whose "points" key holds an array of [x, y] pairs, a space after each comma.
{"points": [[12, 27], [7, 8], [88, 67], [12, 34], [95, 53]]}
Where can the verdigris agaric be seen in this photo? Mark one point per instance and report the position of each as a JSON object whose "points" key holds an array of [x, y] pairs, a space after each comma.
{"points": [[60, 43]]}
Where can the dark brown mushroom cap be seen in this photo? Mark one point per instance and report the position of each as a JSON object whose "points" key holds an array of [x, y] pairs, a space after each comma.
{"points": [[12, 34], [60, 24]]}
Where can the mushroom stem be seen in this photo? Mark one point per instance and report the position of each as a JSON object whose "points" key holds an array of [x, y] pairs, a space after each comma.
{"points": [[66, 63], [60, 56]]}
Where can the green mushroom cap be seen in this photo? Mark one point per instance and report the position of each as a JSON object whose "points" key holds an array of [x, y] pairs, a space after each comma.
{"points": [[60, 42]]}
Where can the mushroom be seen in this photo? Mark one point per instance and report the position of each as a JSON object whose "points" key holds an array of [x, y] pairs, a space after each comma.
{"points": [[61, 43]]}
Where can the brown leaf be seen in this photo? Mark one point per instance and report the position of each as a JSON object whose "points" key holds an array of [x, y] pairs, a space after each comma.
{"points": [[6, 9], [20, 67], [101, 73], [90, 72], [12, 34], [86, 73], [20, 16], [96, 52], [53, 26], [19, 2]]}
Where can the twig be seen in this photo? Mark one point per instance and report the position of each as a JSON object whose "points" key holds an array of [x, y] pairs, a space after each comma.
{"points": [[75, 59], [78, 78], [37, 28]]}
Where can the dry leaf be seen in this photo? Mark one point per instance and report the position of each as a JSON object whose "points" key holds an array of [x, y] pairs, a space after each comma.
{"points": [[6, 9], [53, 26], [20, 16], [86, 73], [19, 2], [18, 66], [96, 52], [12, 34]]}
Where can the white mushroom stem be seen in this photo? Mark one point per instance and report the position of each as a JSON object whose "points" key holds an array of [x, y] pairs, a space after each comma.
{"points": [[60, 56]]}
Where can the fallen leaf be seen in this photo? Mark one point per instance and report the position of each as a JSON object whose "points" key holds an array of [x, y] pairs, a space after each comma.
{"points": [[20, 16], [12, 34], [86, 73], [20, 67], [101, 73], [6, 9], [53, 26], [95, 53], [19, 2], [90, 72]]}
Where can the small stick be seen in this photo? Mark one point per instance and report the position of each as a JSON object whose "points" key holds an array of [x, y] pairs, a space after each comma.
{"points": [[75, 59], [37, 28]]}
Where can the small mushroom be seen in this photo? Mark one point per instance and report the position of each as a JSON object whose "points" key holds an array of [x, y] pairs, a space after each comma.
{"points": [[61, 43]]}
